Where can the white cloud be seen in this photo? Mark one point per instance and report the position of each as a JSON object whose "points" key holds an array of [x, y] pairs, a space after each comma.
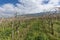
{"points": [[54, 2], [34, 6], [28, 6], [7, 10]]}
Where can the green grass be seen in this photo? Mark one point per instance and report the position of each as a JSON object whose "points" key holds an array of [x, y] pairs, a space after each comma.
{"points": [[33, 29]]}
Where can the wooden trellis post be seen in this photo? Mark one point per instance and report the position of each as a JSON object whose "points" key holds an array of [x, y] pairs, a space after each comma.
{"points": [[51, 24]]}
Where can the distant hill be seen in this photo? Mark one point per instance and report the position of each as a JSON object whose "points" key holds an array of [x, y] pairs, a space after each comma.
{"points": [[40, 14]]}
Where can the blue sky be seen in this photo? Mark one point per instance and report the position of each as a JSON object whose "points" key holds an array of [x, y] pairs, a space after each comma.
{"points": [[9, 7], [2, 2], [45, 1], [8, 1]]}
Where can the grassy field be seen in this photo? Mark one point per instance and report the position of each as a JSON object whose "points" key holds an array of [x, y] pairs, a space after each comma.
{"points": [[38, 28]]}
